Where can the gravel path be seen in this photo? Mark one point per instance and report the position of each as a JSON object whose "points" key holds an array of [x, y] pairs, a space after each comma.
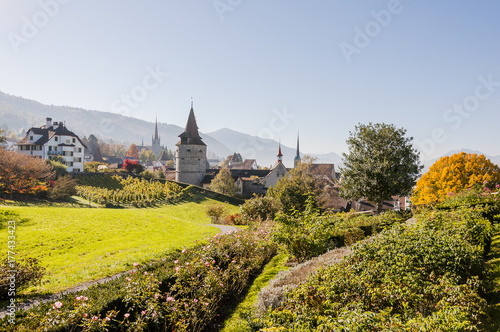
{"points": [[28, 304]]}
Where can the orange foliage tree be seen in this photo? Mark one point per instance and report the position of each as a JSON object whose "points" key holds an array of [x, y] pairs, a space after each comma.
{"points": [[133, 152], [450, 175], [21, 174]]}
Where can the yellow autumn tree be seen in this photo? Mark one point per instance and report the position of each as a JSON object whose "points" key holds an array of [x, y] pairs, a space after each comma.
{"points": [[450, 175]]}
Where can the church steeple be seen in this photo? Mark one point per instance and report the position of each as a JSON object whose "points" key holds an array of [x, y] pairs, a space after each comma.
{"points": [[280, 155], [296, 160], [156, 128], [155, 140]]}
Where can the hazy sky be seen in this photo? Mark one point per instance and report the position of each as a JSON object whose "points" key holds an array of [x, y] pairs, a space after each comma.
{"points": [[267, 68]]}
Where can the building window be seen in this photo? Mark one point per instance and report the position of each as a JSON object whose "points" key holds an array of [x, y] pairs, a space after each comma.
{"points": [[68, 141], [56, 139], [77, 170], [74, 140], [79, 149], [50, 148], [31, 138]]}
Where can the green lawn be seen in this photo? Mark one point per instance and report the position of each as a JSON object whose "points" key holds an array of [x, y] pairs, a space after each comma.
{"points": [[76, 245]]}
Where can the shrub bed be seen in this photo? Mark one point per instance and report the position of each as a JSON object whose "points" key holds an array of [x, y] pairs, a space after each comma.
{"points": [[308, 234], [421, 277], [187, 290]]}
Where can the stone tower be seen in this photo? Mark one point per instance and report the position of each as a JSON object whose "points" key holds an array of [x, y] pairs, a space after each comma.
{"points": [[296, 160], [190, 154], [155, 144]]}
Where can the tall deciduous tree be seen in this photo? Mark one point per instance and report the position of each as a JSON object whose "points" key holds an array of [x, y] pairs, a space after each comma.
{"points": [[133, 152], [146, 154], [224, 183], [295, 189], [450, 175], [381, 163]]}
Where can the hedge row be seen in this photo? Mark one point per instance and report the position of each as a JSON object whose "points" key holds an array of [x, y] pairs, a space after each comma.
{"points": [[187, 290], [309, 234], [424, 276]]}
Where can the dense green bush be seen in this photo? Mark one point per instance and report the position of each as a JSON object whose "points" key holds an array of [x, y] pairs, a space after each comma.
{"points": [[307, 234], [187, 290], [216, 212], [421, 276], [260, 208]]}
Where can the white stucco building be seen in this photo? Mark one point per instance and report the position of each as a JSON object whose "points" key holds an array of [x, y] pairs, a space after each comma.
{"points": [[51, 140]]}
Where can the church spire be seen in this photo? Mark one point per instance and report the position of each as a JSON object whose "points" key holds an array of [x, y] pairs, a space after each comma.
{"points": [[156, 128], [280, 155], [296, 160]]}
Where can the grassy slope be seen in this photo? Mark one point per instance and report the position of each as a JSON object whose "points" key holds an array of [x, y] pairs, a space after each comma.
{"points": [[82, 244], [238, 322]]}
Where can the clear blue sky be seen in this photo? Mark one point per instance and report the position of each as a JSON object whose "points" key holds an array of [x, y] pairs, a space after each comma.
{"points": [[329, 64]]}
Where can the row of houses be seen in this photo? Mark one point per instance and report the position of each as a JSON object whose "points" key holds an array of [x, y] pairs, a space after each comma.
{"points": [[54, 139]]}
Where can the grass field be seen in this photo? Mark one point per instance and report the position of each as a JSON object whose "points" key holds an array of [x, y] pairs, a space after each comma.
{"points": [[77, 244]]}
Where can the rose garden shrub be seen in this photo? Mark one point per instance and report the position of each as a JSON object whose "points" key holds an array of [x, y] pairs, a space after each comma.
{"points": [[308, 234], [422, 276], [187, 290]]}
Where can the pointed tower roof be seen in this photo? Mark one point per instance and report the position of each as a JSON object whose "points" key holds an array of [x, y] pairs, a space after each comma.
{"points": [[156, 128], [297, 157], [191, 134], [279, 155]]}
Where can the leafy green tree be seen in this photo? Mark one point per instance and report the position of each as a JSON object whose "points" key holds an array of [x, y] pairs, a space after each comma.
{"points": [[224, 183], [294, 190], [146, 154], [381, 163]]}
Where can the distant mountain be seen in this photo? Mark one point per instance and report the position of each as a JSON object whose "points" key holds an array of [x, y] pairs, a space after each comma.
{"points": [[265, 150], [429, 163]]}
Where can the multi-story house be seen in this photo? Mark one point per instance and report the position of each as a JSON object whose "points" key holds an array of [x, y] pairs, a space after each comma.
{"points": [[51, 140]]}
